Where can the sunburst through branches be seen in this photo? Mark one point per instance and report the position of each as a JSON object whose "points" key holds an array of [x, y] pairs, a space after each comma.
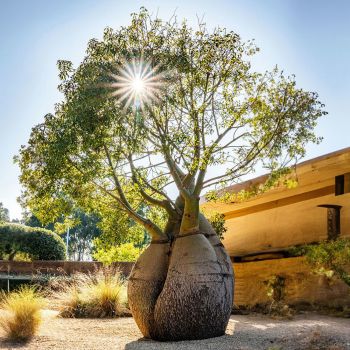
{"points": [[137, 84]]}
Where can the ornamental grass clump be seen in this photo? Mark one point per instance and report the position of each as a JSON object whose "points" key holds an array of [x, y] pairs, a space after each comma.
{"points": [[98, 294], [20, 313]]}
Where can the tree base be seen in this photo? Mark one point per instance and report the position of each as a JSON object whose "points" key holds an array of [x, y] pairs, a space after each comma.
{"points": [[193, 302], [186, 297], [145, 283]]}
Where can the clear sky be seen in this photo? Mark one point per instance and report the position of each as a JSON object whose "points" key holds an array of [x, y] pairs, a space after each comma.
{"points": [[310, 38]]}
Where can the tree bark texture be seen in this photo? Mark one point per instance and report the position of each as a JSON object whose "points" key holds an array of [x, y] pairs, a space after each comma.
{"points": [[183, 289]]}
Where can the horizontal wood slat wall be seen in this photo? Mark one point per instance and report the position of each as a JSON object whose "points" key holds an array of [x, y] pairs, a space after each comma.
{"points": [[301, 285], [281, 202], [299, 223]]}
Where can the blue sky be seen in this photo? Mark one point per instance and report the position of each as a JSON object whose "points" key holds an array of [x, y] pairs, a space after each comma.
{"points": [[310, 39]]}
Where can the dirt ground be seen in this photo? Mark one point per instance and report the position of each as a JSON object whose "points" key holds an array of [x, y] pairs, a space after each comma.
{"points": [[246, 332]]}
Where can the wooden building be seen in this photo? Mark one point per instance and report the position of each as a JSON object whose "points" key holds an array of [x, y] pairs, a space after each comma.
{"points": [[263, 227]]}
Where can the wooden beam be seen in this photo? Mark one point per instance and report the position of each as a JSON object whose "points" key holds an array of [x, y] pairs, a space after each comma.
{"points": [[281, 202]]}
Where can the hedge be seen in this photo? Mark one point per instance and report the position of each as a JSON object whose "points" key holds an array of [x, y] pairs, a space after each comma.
{"points": [[38, 243]]}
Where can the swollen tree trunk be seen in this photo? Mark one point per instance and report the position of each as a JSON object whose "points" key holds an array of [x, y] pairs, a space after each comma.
{"points": [[192, 304], [183, 289], [223, 258], [145, 283]]}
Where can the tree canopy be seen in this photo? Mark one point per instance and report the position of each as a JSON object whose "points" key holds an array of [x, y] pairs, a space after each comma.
{"points": [[116, 150], [4, 213]]}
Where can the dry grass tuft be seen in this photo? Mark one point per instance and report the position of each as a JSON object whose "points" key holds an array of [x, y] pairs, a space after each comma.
{"points": [[21, 313], [98, 294]]}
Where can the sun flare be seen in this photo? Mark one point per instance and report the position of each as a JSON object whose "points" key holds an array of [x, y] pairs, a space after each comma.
{"points": [[137, 84]]}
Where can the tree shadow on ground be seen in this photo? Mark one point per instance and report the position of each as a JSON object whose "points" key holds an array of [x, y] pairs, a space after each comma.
{"points": [[254, 336], [11, 344], [211, 343]]}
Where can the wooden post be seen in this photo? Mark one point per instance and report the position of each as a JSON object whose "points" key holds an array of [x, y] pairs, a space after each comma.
{"points": [[333, 220]]}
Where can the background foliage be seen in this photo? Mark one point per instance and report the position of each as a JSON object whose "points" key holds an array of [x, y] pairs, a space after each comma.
{"points": [[328, 258], [34, 243], [4, 213]]}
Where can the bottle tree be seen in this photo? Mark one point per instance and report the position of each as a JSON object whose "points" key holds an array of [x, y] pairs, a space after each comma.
{"points": [[156, 113]]}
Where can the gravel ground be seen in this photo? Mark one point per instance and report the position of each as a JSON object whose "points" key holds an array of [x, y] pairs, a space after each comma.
{"points": [[246, 332]]}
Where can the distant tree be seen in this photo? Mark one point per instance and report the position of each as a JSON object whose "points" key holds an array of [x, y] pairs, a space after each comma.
{"points": [[83, 229], [82, 235], [4, 213], [33, 243], [115, 245], [32, 221]]}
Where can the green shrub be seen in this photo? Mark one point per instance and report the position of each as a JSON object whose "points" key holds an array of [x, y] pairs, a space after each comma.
{"points": [[328, 258], [122, 252], [37, 243]]}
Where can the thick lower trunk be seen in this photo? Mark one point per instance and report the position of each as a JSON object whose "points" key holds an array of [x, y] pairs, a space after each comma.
{"points": [[188, 296], [223, 258], [192, 304], [145, 283]]}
